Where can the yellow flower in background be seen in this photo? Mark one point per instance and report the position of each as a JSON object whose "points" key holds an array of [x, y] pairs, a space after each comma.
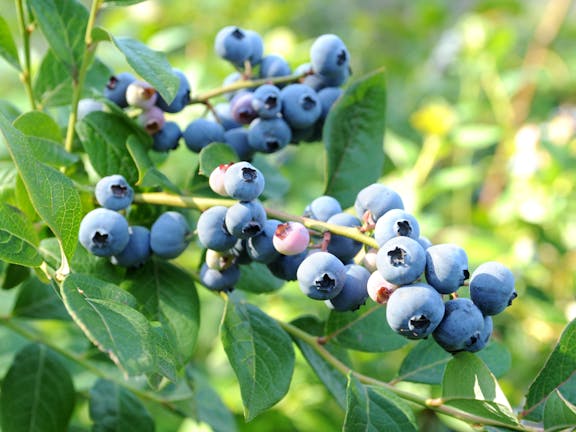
{"points": [[436, 118]]}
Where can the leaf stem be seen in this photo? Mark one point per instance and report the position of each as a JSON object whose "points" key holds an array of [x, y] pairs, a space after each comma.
{"points": [[26, 74], [435, 404], [79, 79], [201, 203]]}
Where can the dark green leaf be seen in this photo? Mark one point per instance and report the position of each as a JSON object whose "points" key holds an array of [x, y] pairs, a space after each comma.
{"points": [[148, 174], [113, 408], [104, 313], [365, 329], [52, 85], [207, 405], [104, 137], [213, 155], [353, 136], [14, 275], [559, 414], [39, 300], [375, 409], [122, 2], [559, 367], [426, 362], [8, 48], [18, 239], [261, 354], [52, 193], [257, 278], [169, 296], [37, 392], [332, 378], [151, 65], [63, 24]]}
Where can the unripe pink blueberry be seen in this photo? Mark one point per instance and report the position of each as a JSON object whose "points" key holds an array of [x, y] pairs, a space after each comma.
{"points": [[379, 289], [152, 120], [141, 94], [369, 259], [216, 179], [291, 238]]}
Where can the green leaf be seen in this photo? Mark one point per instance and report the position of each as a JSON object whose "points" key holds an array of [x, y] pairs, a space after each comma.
{"points": [[8, 48], [152, 66], [332, 378], [485, 409], [353, 137], [122, 2], [559, 414], [169, 296], [104, 137], [426, 362], [52, 194], [261, 354], [467, 376], [257, 278], [148, 174], [365, 329], [214, 155], [105, 313], [207, 405], [113, 408], [38, 300], [63, 24], [37, 392], [559, 367], [477, 136], [374, 409], [18, 240], [14, 275]]}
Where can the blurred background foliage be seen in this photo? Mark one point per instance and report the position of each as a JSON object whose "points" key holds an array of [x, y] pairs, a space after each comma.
{"points": [[480, 143]]}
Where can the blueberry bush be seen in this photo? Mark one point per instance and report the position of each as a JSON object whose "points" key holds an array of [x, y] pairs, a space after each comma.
{"points": [[277, 251]]}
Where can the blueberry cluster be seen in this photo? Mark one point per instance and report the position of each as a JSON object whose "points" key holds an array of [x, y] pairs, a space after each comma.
{"points": [[105, 231], [264, 118]]}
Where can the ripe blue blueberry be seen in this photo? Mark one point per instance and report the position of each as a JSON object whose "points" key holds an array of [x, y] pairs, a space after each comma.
{"points": [[103, 232], [328, 97], [321, 276], [245, 219], [113, 192], [115, 90], [137, 251], [285, 267], [256, 47], [414, 311], [201, 132], [274, 65], [243, 181], [237, 138], [261, 248], [211, 229], [219, 280], [167, 138], [169, 235], [446, 267], [182, 98], [329, 55], [322, 208], [374, 200], [344, 248], [269, 135], [484, 335], [461, 328], [492, 287], [401, 260], [394, 223], [266, 101], [232, 44], [301, 106], [354, 292]]}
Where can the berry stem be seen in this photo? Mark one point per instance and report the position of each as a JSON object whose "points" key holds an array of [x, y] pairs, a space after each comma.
{"points": [[200, 203], [243, 84], [436, 404]]}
